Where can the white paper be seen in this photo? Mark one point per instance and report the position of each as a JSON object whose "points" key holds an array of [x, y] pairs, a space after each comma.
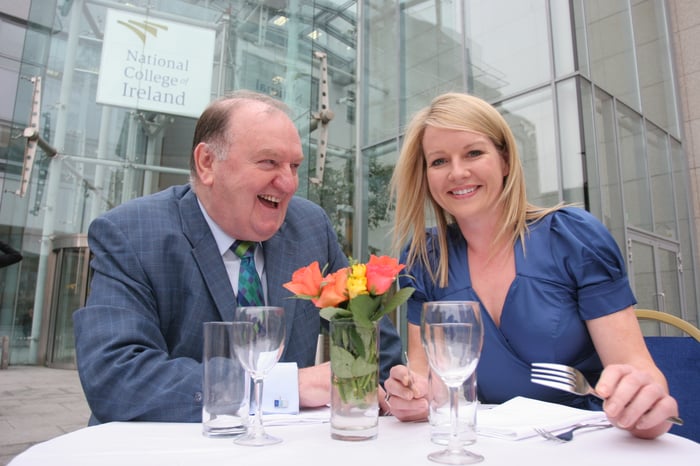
{"points": [[280, 390]]}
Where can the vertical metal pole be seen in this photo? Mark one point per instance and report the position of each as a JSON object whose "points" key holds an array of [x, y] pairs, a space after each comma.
{"points": [[5, 361], [128, 183], [291, 82], [225, 24], [155, 131], [359, 221], [98, 205]]}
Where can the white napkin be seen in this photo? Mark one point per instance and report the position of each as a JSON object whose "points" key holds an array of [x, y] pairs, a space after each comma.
{"points": [[305, 416], [517, 418]]}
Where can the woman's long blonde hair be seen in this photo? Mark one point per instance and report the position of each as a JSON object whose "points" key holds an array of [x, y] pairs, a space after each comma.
{"points": [[409, 183]]}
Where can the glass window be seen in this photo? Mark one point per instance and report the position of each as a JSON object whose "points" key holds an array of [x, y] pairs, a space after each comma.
{"points": [[608, 170], [384, 65], [686, 228], [635, 174], [643, 277], [593, 192], [12, 40], [9, 78], [562, 39], [532, 121], [38, 40], [432, 53], [508, 46], [17, 8], [668, 270], [654, 62], [581, 53], [611, 50], [381, 160], [663, 205], [571, 153]]}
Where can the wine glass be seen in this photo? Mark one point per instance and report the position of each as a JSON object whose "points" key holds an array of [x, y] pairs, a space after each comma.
{"points": [[258, 341], [452, 334]]}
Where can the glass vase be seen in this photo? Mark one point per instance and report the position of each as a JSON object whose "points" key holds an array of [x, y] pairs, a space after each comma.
{"points": [[354, 354]]}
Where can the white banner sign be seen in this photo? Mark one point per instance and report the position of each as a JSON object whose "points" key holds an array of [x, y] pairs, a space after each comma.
{"points": [[155, 65]]}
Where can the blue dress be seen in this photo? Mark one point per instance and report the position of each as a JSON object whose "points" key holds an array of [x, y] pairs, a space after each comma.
{"points": [[571, 271]]}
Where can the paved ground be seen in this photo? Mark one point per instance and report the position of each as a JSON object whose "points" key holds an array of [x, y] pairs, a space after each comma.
{"points": [[37, 404]]}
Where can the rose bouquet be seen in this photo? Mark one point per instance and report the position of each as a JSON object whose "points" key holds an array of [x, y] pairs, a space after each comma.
{"points": [[360, 294]]}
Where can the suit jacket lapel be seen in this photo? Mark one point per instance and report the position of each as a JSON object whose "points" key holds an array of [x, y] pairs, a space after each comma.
{"points": [[206, 255], [280, 265]]}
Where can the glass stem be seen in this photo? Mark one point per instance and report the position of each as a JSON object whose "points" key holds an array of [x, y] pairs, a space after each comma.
{"points": [[454, 444], [257, 390]]}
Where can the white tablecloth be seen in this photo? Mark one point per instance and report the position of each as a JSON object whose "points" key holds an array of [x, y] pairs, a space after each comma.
{"points": [[406, 444]]}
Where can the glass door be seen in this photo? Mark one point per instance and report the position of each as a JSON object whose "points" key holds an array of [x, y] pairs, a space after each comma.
{"points": [[656, 276], [71, 274]]}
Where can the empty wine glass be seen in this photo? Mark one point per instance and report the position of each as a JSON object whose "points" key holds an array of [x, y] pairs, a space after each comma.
{"points": [[452, 334], [258, 341]]}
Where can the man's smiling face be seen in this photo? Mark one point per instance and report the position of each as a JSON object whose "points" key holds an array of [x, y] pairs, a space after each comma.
{"points": [[250, 190]]}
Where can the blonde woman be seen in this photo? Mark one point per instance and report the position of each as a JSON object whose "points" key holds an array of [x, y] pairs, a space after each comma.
{"points": [[551, 281]]}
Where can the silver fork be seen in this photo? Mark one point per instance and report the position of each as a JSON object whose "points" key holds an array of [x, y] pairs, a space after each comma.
{"points": [[568, 435], [569, 379]]}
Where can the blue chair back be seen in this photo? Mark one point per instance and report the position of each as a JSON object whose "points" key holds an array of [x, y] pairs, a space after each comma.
{"points": [[679, 360]]}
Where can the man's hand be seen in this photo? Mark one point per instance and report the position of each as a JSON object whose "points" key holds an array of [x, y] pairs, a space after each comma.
{"points": [[315, 386]]}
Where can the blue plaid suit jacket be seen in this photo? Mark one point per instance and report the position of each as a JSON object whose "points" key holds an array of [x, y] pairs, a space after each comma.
{"points": [[157, 276]]}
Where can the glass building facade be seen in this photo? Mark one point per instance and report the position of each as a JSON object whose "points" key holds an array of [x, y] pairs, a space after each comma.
{"points": [[115, 86]]}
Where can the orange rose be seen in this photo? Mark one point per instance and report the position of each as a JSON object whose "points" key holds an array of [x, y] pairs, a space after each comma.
{"points": [[306, 281], [381, 273], [334, 290]]}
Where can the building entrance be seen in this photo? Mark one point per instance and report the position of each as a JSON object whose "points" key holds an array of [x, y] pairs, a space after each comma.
{"points": [[69, 278], [656, 274]]}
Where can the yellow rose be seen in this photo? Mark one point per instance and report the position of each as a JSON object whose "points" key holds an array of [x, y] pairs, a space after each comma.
{"points": [[357, 281]]}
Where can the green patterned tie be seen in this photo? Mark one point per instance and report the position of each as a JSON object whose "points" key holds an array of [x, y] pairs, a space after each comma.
{"points": [[249, 286]]}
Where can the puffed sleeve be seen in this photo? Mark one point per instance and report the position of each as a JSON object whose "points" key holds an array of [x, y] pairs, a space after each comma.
{"points": [[585, 250]]}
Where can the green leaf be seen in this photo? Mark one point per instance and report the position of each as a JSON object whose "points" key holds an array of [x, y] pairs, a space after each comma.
{"points": [[341, 361], [363, 307], [330, 313], [354, 359], [362, 367], [396, 300], [357, 342], [367, 335]]}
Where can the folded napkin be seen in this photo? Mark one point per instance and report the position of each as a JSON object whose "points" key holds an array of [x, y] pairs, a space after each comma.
{"points": [[517, 418]]}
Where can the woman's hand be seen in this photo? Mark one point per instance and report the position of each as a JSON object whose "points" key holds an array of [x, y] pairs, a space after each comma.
{"points": [[407, 394], [636, 401]]}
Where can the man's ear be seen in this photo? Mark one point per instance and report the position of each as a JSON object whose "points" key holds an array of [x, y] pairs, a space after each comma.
{"points": [[204, 159]]}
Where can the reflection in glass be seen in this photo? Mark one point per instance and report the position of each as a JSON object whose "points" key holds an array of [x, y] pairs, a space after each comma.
{"points": [[685, 224], [609, 173], [570, 141], [611, 50], [654, 64], [531, 119], [663, 205], [635, 174], [670, 285], [508, 46]]}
